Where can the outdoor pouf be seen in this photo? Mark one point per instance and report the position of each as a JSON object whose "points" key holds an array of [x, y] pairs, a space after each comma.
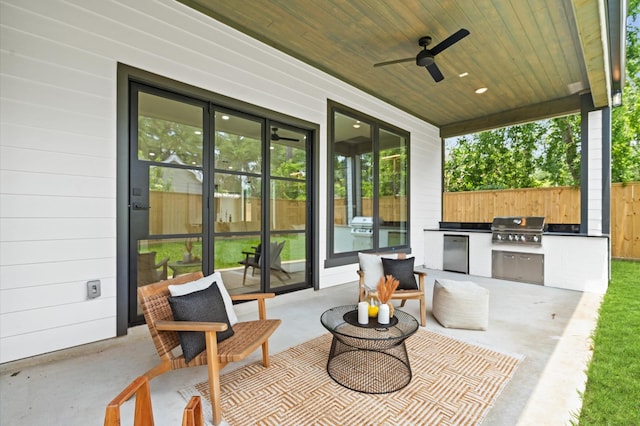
{"points": [[460, 304]]}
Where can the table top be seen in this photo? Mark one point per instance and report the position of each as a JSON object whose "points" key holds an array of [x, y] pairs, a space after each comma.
{"points": [[334, 320]]}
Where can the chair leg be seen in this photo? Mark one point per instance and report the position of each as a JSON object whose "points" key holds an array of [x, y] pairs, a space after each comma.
{"points": [[423, 312], [403, 302], [265, 353], [214, 376], [244, 276]]}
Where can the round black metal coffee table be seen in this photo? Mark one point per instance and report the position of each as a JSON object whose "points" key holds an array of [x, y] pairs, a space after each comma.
{"points": [[370, 358]]}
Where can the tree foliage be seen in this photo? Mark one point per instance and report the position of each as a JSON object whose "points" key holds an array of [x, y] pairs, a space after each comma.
{"points": [[547, 153]]}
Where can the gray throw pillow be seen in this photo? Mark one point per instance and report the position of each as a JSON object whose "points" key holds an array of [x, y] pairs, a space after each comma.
{"points": [[206, 306], [402, 270]]}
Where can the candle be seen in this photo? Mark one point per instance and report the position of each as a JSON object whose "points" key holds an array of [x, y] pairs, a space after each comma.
{"points": [[363, 313]]}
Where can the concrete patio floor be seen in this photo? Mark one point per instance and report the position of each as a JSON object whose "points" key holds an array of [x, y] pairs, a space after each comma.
{"points": [[550, 327]]}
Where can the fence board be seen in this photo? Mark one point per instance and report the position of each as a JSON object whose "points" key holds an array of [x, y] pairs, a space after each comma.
{"points": [[557, 205]]}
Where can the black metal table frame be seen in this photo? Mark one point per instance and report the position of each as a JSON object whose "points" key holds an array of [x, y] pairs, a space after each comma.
{"points": [[371, 358]]}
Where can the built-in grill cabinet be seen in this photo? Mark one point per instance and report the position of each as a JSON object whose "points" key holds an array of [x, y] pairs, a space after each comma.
{"points": [[517, 230], [517, 266]]}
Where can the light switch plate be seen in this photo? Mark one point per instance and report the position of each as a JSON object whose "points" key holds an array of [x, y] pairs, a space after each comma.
{"points": [[93, 289]]}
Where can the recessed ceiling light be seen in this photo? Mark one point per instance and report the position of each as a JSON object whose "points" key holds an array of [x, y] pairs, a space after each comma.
{"points": [[481, 90], [225, 117], [357, 125], [197, 132], [463, 74]]}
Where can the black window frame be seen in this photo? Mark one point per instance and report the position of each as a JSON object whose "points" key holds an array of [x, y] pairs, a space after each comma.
{"points": [[345, 258]]}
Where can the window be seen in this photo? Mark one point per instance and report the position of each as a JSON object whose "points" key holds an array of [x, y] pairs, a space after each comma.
{"points": [[369, 170]]}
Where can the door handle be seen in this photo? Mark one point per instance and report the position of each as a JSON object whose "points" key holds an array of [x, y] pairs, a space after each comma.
{"points": [[139, 206]]}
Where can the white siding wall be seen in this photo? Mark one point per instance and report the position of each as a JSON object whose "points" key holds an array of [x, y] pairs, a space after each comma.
{"points": [[594, 209], [58, 64]]}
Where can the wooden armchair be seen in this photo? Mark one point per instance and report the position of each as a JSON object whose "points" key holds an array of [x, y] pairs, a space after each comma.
{"points": [[143, 412], [253, 259], [247, 337], [402, 295], [150, 271]]}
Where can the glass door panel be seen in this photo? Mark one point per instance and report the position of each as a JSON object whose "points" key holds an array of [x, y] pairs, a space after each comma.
{"points": [[287, 206], [175, 201], [237, 201], [393, 190], [215, 191], [353, 185], [166, 178]]}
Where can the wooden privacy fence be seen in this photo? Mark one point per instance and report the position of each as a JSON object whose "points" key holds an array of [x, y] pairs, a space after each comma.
{"points": [[557, 205], [182, 213]]}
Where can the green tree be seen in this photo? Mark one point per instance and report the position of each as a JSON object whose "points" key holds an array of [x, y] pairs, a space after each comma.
{"points": [[496, 159], [560, 162], [625, 119]]}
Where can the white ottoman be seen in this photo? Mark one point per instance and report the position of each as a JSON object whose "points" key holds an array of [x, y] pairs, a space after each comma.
{"points": [[460, 304]]}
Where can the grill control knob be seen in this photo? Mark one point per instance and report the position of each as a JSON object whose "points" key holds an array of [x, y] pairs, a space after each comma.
{"points": [[535, 238], [510, 237], [523, 238]]}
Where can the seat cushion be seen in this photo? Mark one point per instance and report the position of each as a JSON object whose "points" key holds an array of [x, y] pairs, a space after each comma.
{"points": [[460, 304], [201, 284], [204, 306], [402, 270], [371, 265]]}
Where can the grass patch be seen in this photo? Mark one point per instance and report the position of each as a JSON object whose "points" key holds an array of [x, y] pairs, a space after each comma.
{"points": [[613, 377], [228, 251]]}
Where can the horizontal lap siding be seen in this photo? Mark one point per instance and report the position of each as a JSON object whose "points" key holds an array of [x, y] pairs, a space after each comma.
{"points": [[58, 147]]}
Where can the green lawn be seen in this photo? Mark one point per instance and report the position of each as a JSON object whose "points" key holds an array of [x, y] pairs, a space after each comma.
{"points": [[228, 252], [612, 394]]}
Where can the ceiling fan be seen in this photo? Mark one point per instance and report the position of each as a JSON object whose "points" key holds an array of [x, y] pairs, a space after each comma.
{"points": [[276, 137], [426, 57]]}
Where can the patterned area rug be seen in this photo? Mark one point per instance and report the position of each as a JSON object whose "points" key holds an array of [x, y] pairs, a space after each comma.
{"points": [[454, 383]]}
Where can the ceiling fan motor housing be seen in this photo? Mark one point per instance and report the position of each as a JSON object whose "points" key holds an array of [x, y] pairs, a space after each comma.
{"points": [[424, 58]]}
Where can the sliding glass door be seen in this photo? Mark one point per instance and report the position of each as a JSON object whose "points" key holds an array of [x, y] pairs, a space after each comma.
{"points": [[215, 190]]}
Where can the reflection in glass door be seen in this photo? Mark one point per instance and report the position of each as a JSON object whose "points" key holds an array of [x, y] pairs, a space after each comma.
{"points": [[166, 227], [254, 203], [214, 190]]}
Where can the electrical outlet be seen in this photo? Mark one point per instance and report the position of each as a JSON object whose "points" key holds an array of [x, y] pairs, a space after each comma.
{"points": [[93, 289]]}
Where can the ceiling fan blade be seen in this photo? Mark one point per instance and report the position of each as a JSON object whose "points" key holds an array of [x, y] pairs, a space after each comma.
{"points": [[435, 72], [449, 41], [282, 138], [397, 61]]}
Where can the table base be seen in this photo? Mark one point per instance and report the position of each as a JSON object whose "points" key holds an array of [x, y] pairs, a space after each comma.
{"points": [[367, 370]]}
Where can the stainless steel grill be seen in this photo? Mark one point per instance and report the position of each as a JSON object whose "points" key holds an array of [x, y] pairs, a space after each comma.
{"points": [[517, 230], [362, 226]]}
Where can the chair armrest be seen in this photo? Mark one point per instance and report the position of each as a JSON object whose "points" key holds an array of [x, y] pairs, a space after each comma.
{"points": [[164, 325], [421, 275], [260, 297], [192, 414], [252, 296], [163, 262]]}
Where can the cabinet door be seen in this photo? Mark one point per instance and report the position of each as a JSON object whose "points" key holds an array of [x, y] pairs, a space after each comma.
{"points": [[504, 265], [530, 268]]}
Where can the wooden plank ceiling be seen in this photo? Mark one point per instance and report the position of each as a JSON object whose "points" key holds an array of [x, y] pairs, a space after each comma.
{"points": [[534, 57]]}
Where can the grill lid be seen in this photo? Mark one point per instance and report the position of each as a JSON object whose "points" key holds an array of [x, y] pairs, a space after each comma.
{"points": [[518, 230], [361, 222], [518, 223]]}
